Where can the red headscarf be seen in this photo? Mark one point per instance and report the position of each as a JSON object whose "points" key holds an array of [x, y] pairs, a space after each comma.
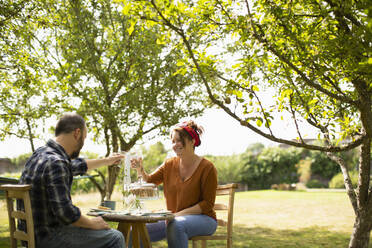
{"points": [[191, 132]]}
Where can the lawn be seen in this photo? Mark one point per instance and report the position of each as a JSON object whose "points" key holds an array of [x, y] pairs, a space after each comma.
{"points": [[275, 219]]}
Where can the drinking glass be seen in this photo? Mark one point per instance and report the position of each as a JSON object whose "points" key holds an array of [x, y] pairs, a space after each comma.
{"points": [[136, 154]]}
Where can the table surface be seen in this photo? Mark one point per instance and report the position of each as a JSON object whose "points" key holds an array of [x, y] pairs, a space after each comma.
{"points": [[152, 217]]}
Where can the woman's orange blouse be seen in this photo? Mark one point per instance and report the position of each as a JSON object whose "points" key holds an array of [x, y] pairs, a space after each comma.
{"points": [[200, 188]]}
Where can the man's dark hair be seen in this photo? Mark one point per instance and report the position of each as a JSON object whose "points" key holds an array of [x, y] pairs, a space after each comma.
{"points": [[68, 123]]}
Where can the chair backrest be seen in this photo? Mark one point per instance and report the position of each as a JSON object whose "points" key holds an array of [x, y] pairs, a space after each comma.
{"points": [[228, 189], [21, 192], [225, 221]]}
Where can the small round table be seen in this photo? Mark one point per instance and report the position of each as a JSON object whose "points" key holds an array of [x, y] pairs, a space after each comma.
{"points": [[136, 223]]}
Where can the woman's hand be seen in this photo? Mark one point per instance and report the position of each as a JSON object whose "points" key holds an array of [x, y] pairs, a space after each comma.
{"points": [[189, 211], [178, 214], [136, 163]]}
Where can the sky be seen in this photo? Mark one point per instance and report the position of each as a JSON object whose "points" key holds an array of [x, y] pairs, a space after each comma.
{"points": [[222, 136]]}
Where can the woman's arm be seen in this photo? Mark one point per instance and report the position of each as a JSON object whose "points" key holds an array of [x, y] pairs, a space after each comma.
{"points": [[155, 177], [189, 211]]}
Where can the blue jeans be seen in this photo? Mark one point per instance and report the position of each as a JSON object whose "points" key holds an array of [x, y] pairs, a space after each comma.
{"points": [[76, 237], [181, 229]]}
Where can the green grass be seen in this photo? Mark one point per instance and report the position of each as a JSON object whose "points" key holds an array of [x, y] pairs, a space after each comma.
{"points": [[275, 219]]}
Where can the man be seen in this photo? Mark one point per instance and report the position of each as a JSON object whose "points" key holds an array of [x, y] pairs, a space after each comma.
{"points": [[50, 170]]}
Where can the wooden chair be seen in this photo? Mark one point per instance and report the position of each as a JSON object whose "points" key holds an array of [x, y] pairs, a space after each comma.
{"points": [[13, 191], [228, 189]]}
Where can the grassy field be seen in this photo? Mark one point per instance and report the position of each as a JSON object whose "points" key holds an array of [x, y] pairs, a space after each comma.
{"points": [[270, 219]]}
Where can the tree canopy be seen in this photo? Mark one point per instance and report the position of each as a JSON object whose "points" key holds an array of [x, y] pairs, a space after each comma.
{"points": [[89, 57], [315, 56]]}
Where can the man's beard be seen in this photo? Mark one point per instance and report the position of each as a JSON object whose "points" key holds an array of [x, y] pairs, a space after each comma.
{"points": [[75, 154]]}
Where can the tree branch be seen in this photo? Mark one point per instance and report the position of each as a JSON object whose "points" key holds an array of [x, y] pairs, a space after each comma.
{"points": [[295, 121], [260, 38], [179, 31], [347, 181]]}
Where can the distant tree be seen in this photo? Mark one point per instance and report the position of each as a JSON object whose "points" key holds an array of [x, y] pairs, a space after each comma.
{"points": [[255, 149], [20, 161], [273, 165], [229, 168], [304, 170], [322, 165], [23, 91], [89, 155], [154, 156]]}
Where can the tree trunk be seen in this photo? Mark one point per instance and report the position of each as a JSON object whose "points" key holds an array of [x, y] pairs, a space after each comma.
{"points": [[113, 172], [362, 225], [360, 199], [30, 135], [102, 190], [361, 233]]}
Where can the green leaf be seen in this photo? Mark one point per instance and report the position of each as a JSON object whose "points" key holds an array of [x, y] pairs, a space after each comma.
{"points": [[255, 88], [126, 9], [259, 122], [180, 63], [313, 102], [160, 41], [131, 28], [238, 93]]}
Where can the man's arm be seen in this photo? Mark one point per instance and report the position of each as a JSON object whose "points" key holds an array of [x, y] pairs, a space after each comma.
{"points": [[96, 223], [96, 163]]}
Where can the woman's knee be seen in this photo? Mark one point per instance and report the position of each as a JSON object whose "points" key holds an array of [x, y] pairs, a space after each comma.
{"points": [[175, 226]]}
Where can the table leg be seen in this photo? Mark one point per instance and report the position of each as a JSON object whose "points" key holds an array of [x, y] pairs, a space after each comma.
{"points": [[145, 238], [124, 228], [139, 234], [136, 239]]}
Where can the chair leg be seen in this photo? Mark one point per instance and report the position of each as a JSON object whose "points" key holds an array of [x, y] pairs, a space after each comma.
{"points": [[229, 243], [194, 244], [204, 243]]}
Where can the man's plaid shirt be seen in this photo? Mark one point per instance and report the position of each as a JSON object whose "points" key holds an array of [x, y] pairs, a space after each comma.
{"points": [[50, 172]]}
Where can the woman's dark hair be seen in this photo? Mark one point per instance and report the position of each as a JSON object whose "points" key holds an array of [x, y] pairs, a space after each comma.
{"points": [[68, 123], [184, 134]]}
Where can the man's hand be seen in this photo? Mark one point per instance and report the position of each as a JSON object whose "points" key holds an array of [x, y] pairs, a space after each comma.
{"points": [[110, 160], [114, 158], [98, 223]]}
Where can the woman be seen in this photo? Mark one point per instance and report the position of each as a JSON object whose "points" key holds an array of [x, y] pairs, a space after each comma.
{"points": [[190, 184]]}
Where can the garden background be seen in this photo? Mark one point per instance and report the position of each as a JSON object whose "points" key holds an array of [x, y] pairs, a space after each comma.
{"points": [[134, 69], [308, 217]]}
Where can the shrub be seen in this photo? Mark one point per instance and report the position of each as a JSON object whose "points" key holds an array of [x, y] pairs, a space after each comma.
{"points": [[322, 165], [304, 170], [16, 175], [82, 185], [314, 183], [273, 165], [337, 181]]}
